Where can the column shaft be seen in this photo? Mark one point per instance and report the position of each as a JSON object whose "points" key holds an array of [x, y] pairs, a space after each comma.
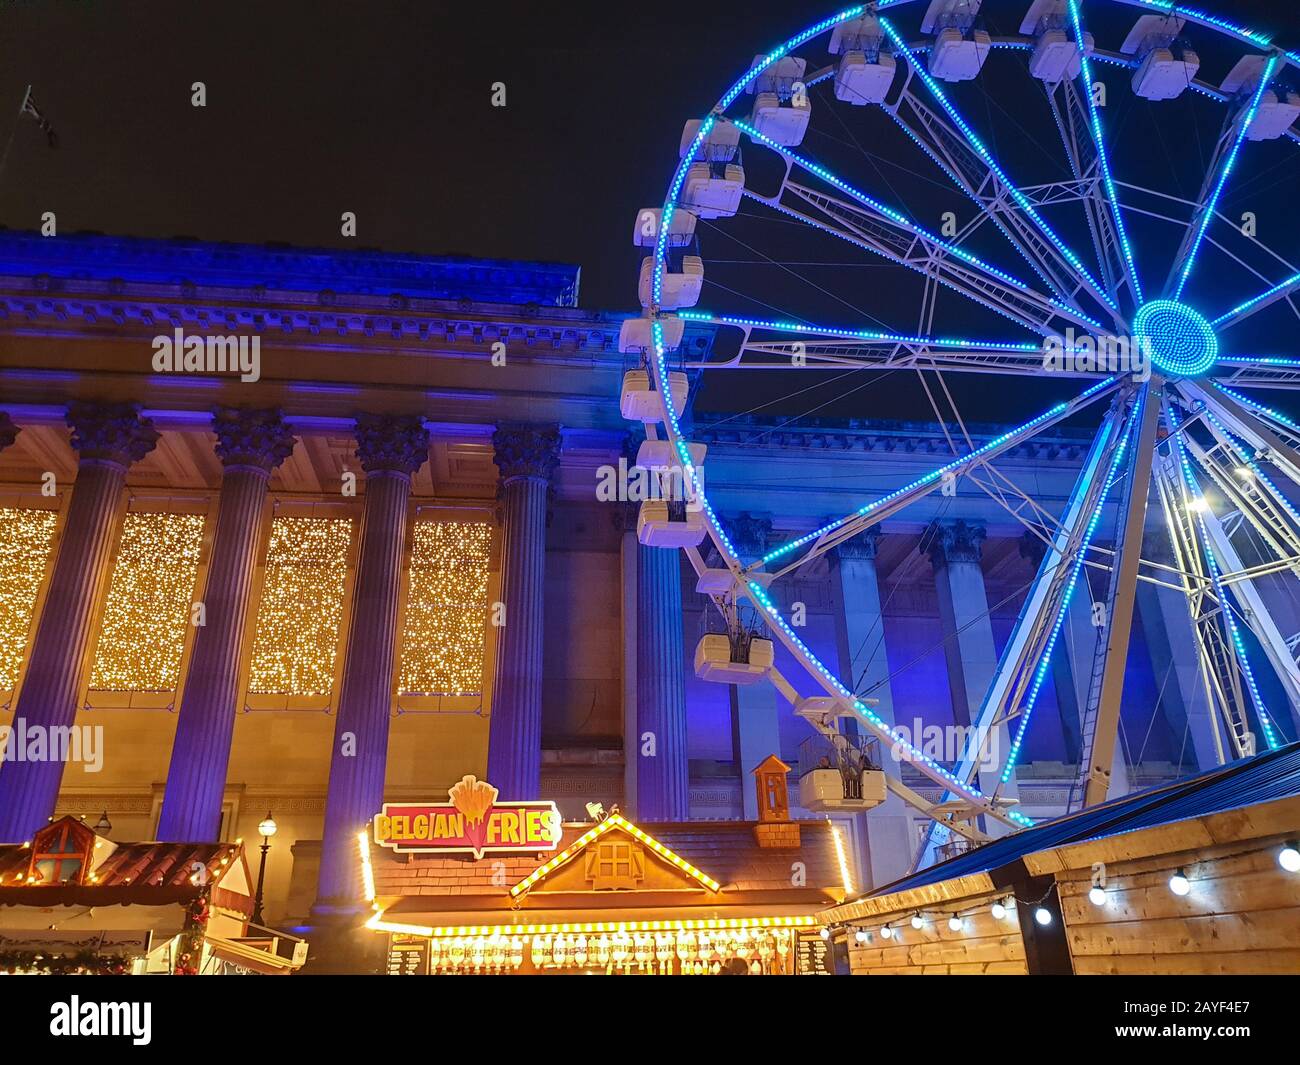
{"points": [[663, 777], [390, 450], [515, 732], [196, 777], [360, 757], [109, 439]]}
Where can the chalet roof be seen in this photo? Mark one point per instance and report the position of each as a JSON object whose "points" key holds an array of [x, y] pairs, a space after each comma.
{"points": [[148, 873], [724, 850], [1266, 777]]}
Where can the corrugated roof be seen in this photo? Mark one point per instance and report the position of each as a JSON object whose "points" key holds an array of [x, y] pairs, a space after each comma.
{"points": [[1266, 777]]}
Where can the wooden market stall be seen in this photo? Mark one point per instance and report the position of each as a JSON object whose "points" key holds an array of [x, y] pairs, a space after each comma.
{"points": [[615, 897], [1200, 876], [74, 901]]}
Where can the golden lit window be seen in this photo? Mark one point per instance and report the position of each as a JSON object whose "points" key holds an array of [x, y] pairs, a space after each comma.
{"points": [[147, 614], [446, 609], [298, 620], [26, 537], [614, 864]]}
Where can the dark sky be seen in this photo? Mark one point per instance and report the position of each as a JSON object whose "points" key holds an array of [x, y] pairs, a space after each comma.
{"points": [[383, 108]]}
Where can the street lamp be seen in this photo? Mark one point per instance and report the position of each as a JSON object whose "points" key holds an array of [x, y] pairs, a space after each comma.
{"points": [[266, 829]]}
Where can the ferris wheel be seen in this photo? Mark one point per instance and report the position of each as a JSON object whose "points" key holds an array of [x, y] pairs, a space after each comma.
{"points": [[1151, 302]]}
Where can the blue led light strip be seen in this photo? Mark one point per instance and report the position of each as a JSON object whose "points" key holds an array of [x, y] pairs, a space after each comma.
{"points": [[855, 334], [1021, 199], [1170, 7], [1258, 474], [1291, 282], [760, 596], [783, 50], [936, 475], [1085, 73], [1216, 580], [902, 220], [1246, 401], [1046, 661], [1212, 204]]}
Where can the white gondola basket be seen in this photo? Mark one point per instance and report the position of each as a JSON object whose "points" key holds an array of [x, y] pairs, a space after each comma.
{"points": [[822, 790], [713, 660]]}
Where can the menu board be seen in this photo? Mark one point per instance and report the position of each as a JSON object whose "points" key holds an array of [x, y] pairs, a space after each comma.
{"points": [[408, 956], [812, 956]]}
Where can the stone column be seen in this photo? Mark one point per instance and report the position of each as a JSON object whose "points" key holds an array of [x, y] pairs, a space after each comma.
{"points": [[250, 444], [755, 708], [624, 517], [109, 439], [969, 650], [887, 830], [390, 450], [527, 457], [663, 770]]}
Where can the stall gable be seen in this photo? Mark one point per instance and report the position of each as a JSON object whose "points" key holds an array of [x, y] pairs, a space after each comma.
{"points": [[616, 856]]}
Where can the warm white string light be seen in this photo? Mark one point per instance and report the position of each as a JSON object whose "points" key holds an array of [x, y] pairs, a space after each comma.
{"points": [[26, 537], [148, 610]]}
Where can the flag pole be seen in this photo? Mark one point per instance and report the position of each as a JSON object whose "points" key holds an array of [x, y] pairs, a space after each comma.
{"points": [[9, 143]]}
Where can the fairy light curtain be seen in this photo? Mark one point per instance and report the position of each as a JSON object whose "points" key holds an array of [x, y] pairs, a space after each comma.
{"points": [[26, 539], [295, 645], [446, 609], [150, 594]]}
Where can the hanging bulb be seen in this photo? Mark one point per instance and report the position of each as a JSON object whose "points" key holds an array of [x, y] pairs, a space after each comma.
{"points": [[918, 922], [998, 910], [1179, 884], [826, 933], [862, 935], [1097, 896], [1043, 916], [886, 933], [1289, 857], [954, 923]]}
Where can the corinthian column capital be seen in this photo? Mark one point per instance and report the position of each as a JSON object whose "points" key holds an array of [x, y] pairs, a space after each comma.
{"points": [[112, 432], [391, 443], [955, 541], [526, 451], [257, 438]]}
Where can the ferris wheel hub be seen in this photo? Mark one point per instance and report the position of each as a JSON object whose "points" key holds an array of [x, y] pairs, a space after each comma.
{"points": [[1181, 341]]}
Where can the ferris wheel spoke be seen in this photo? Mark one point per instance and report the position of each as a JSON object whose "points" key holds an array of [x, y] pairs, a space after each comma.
{"points": [[1250, 491], [868, 225], [950, 141], [1219, 553], [1283, 426], [1258, 371], [1105, 216], [821, 540], [1282, 290], [1025, 661], [830, 347], [1099, 721], [1222, 162], [1246, 422]]}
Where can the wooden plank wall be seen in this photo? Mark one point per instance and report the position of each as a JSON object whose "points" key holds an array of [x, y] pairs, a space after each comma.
{"points": [[983, 946], [1242, 914]]}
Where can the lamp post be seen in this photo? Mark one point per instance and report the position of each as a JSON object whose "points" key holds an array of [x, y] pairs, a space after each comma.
{"points": [[266, 829]]}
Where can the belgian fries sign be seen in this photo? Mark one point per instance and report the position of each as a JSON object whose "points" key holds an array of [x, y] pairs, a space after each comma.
{"points": [[472, 822]]}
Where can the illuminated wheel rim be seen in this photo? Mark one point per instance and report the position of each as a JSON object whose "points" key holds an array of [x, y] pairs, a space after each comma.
{"points": [[1183, 342]]}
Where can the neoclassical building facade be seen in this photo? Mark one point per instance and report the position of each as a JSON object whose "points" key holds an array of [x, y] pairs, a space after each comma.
{"points": [[345, 545]]}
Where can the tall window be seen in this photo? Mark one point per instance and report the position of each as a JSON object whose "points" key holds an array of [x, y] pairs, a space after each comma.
{"points": [[26, 537], [297, 638], [150, 595], [446, 609]]}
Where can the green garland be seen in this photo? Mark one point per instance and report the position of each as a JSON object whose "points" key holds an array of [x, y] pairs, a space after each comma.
{"points": [[83, 963]]}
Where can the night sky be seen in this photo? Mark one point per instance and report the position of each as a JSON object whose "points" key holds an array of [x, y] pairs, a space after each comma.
{"points": [[384, 109]]}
